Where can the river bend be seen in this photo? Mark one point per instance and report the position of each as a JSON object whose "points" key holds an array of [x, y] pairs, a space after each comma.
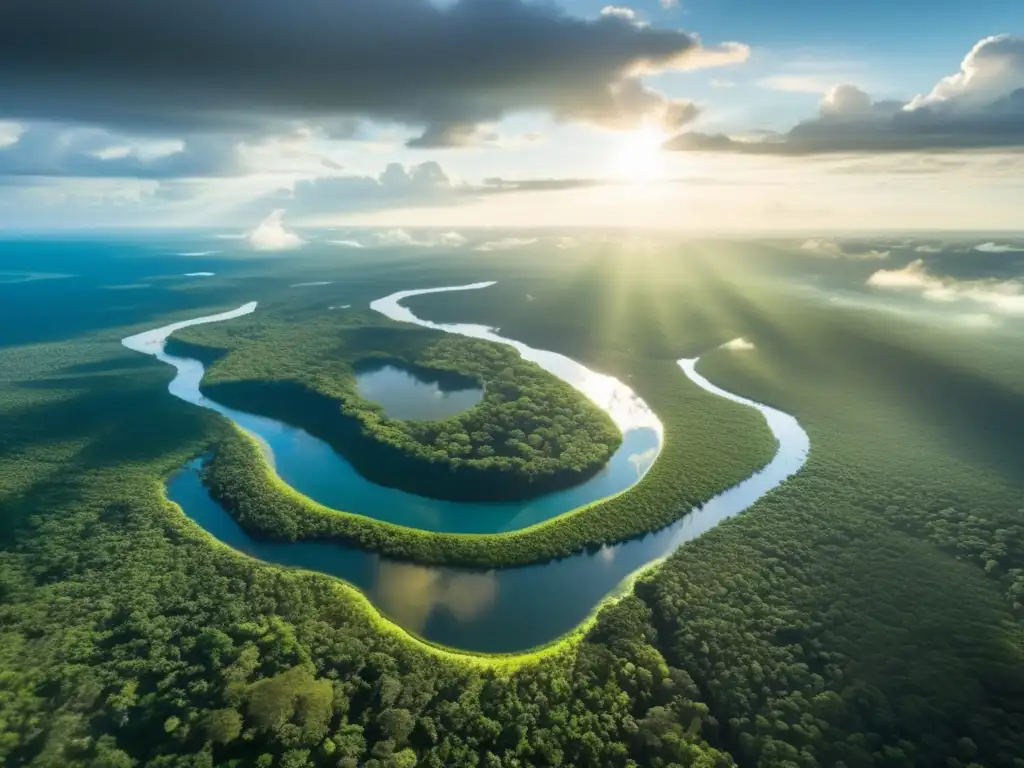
{"points": [[502, 609]]}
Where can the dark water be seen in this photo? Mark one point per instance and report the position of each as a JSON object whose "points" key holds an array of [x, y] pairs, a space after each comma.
{"points": [[501, 610], [412, 396]]}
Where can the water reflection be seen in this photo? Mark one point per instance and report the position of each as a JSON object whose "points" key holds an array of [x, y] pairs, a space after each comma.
{"points": [[627, 410], [412, 396], [411, 593]]}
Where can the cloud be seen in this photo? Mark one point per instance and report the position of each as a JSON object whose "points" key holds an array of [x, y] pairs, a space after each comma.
{"points": [[977, 320], [271, 234], [47, 149], [496, 185], [347, 243], [834, 249], [506, 244], [1005, 296], [453, 134], [619, 11], [928, 248], [198, 253], [451, 239], [739, 345], [399, 238], [822, 247], [253, 63], [415, 185], [998, 248], [397, 185], [10, 132], [980, 107]]}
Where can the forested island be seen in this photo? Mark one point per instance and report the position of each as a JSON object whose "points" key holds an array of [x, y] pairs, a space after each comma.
{"points": [[531, 434], [240, 478]]}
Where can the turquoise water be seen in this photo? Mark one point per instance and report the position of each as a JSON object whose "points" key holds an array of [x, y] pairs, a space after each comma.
{"points": [[497, 610], [313, 468], [411, 396]]}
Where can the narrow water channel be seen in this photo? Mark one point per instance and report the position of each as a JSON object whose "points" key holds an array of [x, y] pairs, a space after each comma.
{"points": [[504, 609]]}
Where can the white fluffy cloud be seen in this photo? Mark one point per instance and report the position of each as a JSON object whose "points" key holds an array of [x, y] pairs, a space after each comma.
{"points": [[10, 133], [979, 107], [998, 248], [833, 249], [506, 244], [271, 234], [992, 69], [400, 238], [621, 12], [739, 344], [1006, 296]]}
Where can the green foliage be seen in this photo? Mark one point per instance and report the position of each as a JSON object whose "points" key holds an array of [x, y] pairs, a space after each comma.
{"points": [[532, 433], [294, 705], [719, 443], [865, 614], [222, 726]]}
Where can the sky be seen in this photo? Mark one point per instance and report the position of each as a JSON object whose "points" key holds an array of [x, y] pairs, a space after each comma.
{"points": [[722, 115]]}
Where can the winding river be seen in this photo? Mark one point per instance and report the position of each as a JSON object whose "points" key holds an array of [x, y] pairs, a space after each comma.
{"points": [[314, 469], [499, 610]]}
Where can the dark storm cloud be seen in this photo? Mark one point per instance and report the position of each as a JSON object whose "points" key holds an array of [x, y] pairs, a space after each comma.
{"points": [[235, 65], [980, 107], [439, 135]]}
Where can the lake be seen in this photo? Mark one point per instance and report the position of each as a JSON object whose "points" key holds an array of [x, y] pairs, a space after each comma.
{"points": [[415, 395]]}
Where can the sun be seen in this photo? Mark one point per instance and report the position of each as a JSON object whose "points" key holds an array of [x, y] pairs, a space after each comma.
{"points": [[638, 155]]}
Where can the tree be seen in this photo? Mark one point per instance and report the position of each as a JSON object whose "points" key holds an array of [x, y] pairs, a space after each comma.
{"points": [[222, 726]]}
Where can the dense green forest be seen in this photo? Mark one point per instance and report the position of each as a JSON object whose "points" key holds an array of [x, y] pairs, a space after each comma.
{"points": [[867, 613], [718, 442], [531, 434]]}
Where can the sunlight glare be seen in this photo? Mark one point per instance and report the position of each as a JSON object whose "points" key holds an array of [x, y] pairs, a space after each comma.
{"points": [[639, 154]]}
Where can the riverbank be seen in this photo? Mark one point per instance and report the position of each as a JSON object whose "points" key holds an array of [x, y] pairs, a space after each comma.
{"points": [[530, 434]]}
